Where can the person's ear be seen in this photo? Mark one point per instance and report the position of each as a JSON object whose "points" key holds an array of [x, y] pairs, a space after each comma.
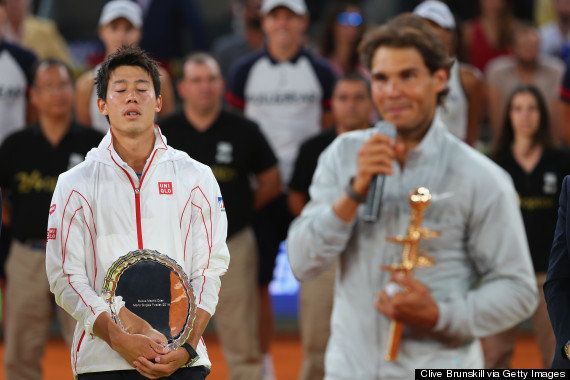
{"points": [[102, 105]]}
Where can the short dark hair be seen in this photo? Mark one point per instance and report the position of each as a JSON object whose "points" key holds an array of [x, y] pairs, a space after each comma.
{"points": [[542, 136], [408, 31], [126, 56], [354, 77], [48, 62]]}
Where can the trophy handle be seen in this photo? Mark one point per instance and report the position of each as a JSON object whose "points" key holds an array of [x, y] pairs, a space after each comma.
{"points": [[396, 329]]}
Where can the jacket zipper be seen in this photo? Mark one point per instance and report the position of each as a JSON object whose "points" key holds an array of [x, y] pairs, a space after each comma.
{"points": [[138, 216]]}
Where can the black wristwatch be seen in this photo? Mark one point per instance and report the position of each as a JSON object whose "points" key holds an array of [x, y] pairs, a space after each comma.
{"points": [[191, 352], [353, 194]]}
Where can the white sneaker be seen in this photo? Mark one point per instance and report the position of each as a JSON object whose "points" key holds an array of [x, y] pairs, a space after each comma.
{"points": [[267, 368]]}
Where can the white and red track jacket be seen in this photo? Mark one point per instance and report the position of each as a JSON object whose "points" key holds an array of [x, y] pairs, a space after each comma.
{"points": [[101, 211]]}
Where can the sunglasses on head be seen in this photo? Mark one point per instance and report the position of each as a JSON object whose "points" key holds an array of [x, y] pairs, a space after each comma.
{"points": [[350, 18]]}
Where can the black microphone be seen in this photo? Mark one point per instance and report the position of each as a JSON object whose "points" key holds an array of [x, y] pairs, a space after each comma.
{"points": [[374, 197]]}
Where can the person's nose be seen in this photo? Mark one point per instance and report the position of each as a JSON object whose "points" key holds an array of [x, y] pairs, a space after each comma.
{"points": [[132, 96]]}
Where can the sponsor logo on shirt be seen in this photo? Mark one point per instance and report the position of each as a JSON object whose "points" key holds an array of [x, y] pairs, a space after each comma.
{"points": [[52, 209], [165, 188], [221, 204], [550, 185], [75, 159], [35, 182], [52, 233], [224, 152]]}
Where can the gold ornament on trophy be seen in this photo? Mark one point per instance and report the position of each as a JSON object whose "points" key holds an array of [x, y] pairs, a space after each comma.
{"points": [[420, 199]]}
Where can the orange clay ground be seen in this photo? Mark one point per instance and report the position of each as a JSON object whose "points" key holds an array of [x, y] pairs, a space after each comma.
{"points": [[286, 352]]}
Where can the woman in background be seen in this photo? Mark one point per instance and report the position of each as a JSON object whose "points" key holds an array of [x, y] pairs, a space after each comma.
{"points": [[537, 168], [341, 35]]}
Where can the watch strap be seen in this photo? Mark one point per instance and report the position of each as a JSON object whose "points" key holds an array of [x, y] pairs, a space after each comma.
{"points": [[191, 353]]}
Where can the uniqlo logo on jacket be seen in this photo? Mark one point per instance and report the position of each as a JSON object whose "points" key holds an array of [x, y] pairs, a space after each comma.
{"points": [[52, 234], [165, 188]]}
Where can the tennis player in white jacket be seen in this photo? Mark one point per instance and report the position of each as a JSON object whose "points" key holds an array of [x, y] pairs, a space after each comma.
{"points": [[134, 192]]}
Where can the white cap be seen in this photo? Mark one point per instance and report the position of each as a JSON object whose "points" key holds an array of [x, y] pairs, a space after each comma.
{"points": [[121, 9], [437, 12], [297, 6]]}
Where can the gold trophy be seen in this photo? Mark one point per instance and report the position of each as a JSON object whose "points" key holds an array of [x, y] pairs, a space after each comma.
{"points": [[420, 199]]}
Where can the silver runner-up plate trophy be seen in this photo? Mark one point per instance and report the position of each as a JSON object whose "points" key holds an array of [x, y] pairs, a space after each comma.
{"points": [[154, 287]]}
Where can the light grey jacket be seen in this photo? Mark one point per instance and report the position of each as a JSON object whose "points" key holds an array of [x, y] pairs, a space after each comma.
{"points": [[483, 280]]}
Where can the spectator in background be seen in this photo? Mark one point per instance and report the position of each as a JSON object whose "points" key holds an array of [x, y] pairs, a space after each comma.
{"points": [[525, 151], [120, 24], [32, 160], [172, 28], [461, 109], [39, 35], [15, 77], [525, 66], [555, 36], [351, 105], [16, 66], [235, 150], [490, 35], [287, 91], [343, 32], [248, 38]]}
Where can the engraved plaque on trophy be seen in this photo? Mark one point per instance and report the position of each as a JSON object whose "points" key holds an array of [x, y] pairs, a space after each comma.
{"points": [[154, 287]]}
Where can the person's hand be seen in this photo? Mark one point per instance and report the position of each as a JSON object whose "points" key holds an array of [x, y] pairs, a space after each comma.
{"points": [[163, 366], [413, 305], [375, 157], [134, 346], [156, 336]]}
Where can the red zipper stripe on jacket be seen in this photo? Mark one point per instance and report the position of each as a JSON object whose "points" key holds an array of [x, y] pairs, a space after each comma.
{"points": [[137, 195]]}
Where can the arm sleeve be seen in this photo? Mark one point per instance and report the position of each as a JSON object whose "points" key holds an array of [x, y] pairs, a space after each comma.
{"points": [[327, 79], [235, 94], [70, 225], [557, 286], [506, 292], [211, 257], [317, 237]]}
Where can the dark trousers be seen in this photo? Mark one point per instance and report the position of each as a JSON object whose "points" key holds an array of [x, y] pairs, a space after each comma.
{"points": [[192, 373]]}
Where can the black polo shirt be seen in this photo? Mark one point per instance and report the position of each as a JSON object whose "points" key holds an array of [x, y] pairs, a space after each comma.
{"points": [[307, 159], [538, 193], [29, 167], [235, 149]]}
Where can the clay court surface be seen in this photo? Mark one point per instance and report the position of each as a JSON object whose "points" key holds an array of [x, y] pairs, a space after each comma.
{"points": [[286, 353]]}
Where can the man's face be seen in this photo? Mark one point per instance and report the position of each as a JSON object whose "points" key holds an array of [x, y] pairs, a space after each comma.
{"points": [[351, 104], [131, 103], [403, 89], [202, 86], [117, 33], [52, 92], [283, 27], [527, 47]]}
